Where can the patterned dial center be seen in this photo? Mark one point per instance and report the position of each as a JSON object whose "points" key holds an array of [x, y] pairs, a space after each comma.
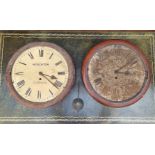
{"points": [[116, 73], [39, 74]]}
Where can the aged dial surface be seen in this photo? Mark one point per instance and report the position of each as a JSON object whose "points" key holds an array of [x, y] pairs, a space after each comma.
{"points": [[41, 74], [116, 73]]}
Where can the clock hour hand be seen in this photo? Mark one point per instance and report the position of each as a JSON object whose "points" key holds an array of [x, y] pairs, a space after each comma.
{"points": [[51, 76], [126, 73], [43, 75]]}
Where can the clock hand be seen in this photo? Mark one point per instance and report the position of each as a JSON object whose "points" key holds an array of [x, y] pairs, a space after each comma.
{"points": [[52, 76], [40, 73], [126, 72], [127, 64]]}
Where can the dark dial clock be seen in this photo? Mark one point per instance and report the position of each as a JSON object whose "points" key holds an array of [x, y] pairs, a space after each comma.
{"points": [[116, 73]]}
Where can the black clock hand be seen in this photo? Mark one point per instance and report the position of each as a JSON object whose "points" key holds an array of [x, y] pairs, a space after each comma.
{"points": [[51, 76], [40, 73], [127, 64], [126, 72]]}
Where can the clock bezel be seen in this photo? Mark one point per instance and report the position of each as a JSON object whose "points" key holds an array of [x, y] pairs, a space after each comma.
{"points": [[61, 96], [91, 90]]}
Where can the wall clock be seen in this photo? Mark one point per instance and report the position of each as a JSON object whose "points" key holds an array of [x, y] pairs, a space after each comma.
{"points": [[40, 74], [116, 73]]}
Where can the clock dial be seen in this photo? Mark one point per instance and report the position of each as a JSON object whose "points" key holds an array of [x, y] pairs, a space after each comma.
{"points": [[116, 73], [40, 74]]}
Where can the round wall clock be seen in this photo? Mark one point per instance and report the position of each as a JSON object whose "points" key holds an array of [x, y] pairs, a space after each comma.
{"points": [[40, 74], [116, 73]]}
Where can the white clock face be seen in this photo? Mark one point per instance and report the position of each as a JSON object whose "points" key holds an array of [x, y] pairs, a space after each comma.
{"points": [[39, 74]]}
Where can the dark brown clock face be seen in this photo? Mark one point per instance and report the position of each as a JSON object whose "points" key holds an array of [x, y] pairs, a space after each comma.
{"points": [[40, 74], [116, 73]]}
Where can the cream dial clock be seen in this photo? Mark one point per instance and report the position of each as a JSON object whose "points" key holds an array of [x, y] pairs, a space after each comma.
{"points": [[40, 74]]}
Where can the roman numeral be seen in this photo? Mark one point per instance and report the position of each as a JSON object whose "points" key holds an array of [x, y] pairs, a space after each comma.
{"points": [[51, 56], [28, 92], [58, 63], [57, 83], [117, 46], [97, 81], [61, 73], [41, 53], [19, 73], [39, 95], [50, 92], [30, 55], [22, 63], [21, 83]]}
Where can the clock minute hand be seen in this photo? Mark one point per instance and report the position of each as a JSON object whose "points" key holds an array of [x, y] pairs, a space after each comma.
{"points": [[40, 73], [127, 64]]}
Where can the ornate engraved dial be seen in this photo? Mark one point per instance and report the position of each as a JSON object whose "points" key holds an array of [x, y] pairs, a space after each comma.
{"points": [[40, 74], [117, 73]]}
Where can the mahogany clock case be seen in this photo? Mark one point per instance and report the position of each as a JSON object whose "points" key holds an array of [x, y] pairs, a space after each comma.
{"points": [[78, 106], [101, 58], [70, 81]]}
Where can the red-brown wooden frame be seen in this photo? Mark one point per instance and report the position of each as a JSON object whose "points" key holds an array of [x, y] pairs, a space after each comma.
{"points": [[71, 76], [94, 94]]}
